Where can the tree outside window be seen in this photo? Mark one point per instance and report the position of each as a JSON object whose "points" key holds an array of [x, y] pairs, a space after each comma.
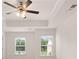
{"points": [[46, 45], [20, 46]]}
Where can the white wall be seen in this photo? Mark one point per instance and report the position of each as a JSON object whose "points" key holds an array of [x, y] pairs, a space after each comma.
{"points": [[33, 44], [26, 23], [66, 40]]}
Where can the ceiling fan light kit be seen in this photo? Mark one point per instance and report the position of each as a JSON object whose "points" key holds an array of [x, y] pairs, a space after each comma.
{"points": [[22, 8]]}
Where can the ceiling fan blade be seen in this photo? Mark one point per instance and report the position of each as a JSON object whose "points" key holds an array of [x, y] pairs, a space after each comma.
{"points": [[28, 3], [9, 4], [9, 13], [31, 11], [73, 6]]}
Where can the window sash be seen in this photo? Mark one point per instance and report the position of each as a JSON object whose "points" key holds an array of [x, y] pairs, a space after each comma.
{"points": [[46, 45], [20, 46]]}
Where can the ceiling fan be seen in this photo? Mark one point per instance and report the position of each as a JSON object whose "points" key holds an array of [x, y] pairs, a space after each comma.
{"points": [[22, 8]]}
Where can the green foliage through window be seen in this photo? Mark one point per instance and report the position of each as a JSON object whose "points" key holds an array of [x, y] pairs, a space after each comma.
{"points": [[44, 42], [20, 45], [18, 48]]}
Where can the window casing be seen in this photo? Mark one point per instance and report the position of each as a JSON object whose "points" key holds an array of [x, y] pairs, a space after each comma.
{"points": [[46, 45], [20, 44]]}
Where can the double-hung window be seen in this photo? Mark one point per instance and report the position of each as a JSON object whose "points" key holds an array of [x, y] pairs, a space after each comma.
{"points": [[20, 46], [46, 45]]}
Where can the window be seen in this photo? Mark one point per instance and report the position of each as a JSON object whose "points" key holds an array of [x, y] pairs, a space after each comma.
{"points": [[46, 45], [20, 46]]}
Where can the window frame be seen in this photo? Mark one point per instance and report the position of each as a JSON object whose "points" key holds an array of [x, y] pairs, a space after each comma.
{"points": [[53, 40], [20, 52]]}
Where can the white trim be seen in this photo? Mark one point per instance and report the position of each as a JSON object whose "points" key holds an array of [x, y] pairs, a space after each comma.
{"points": [[3, 39], [56, 8], [25, 29], [22, 52], [53, 40]]}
